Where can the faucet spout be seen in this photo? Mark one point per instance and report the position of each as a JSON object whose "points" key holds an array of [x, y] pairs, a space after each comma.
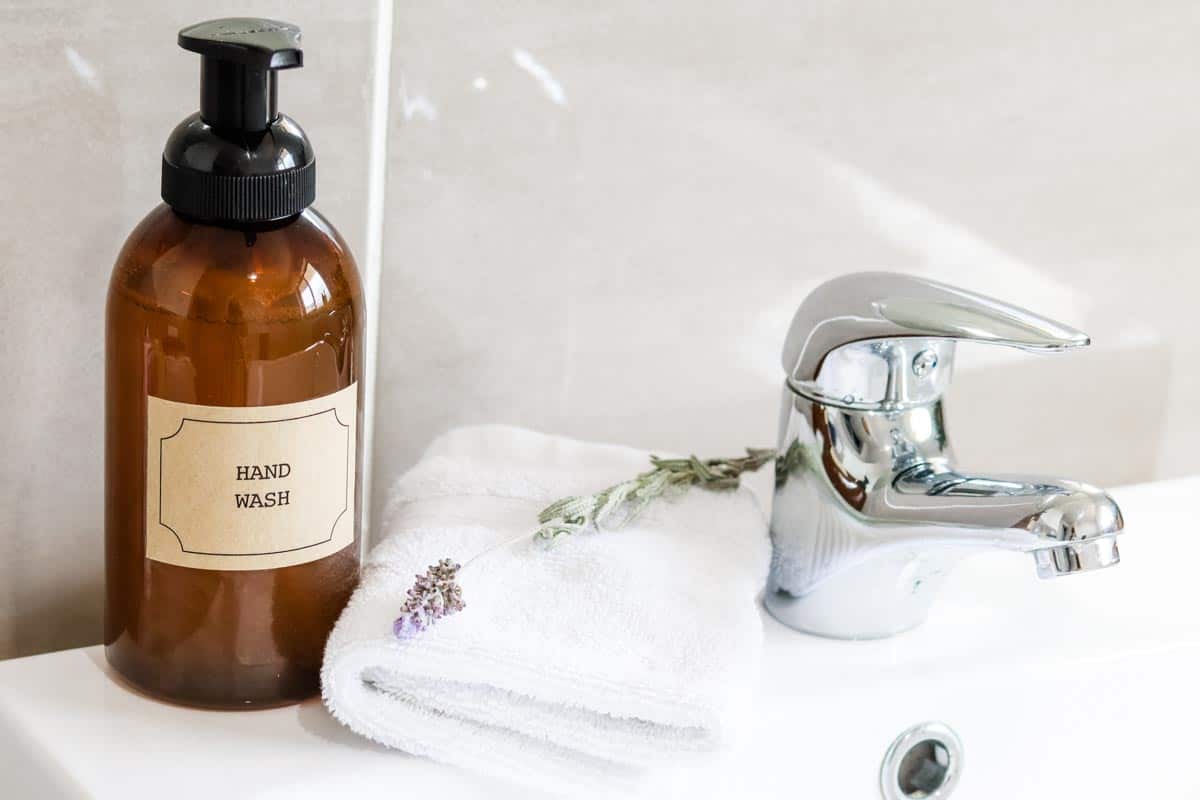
{"points": [[1068, 526]]}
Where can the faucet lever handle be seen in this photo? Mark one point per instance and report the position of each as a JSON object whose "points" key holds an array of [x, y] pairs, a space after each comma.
{"points": [[993, 323], [855, 339]]}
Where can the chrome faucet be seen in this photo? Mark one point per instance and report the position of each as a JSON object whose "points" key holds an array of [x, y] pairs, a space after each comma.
{"points": [[870, 510]]}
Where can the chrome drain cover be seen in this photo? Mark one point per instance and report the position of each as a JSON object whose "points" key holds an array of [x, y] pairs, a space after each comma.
{"points": [[924, 763]]}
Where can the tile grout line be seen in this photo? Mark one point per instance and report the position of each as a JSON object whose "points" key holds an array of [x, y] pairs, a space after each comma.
{"points": [[376, 195]]}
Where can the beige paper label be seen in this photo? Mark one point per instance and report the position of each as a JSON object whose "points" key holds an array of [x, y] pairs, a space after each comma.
{"points": [[250, 488]]}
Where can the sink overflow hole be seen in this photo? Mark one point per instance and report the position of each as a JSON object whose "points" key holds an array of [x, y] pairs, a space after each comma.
{"points": [[923, 769]]}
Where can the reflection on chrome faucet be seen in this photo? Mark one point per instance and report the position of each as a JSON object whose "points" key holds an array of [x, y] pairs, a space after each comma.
{"points": [[870, 511]]}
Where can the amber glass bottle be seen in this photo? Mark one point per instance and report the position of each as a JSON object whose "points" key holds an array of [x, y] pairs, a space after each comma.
{"points": [[233, 373]]}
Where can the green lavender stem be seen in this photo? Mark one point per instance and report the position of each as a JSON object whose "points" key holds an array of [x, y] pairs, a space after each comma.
{"points": [[620, 504]]}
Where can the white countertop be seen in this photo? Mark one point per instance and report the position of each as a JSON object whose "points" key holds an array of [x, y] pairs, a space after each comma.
{"points": [[1081, 686]]}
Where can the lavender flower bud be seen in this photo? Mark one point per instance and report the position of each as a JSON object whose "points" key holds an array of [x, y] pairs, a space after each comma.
{"points": [[434, 595]]}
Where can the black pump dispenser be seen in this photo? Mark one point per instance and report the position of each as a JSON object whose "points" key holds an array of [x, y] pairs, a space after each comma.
{"points": [[238, 160]]}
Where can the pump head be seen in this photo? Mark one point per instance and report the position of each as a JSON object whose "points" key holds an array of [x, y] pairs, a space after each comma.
{"points": [[237, 73], [239, 160]]}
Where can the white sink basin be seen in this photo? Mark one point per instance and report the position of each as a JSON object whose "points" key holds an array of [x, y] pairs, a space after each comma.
{"points": [[1077, 687]]}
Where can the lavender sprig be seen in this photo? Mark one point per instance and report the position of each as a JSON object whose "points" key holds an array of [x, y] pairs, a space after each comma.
{"points": [[435, 594], [620, 504]]}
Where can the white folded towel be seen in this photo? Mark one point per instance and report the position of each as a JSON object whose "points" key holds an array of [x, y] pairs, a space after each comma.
{"points": [[599, 655]]}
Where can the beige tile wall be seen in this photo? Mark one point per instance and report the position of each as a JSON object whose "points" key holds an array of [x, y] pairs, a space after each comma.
{"points": [[88, 93], [601, 216]]}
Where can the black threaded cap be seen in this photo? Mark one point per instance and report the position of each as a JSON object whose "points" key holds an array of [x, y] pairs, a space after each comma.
{"points": [[239, 198]]}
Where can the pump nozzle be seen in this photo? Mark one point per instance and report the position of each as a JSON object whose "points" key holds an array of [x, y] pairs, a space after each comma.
{"points": [[239, 159], [237, 73]]}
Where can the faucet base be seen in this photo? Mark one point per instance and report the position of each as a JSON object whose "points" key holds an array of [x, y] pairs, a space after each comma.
{"points": [[882, 596], [792, 612], [891, 593]]}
